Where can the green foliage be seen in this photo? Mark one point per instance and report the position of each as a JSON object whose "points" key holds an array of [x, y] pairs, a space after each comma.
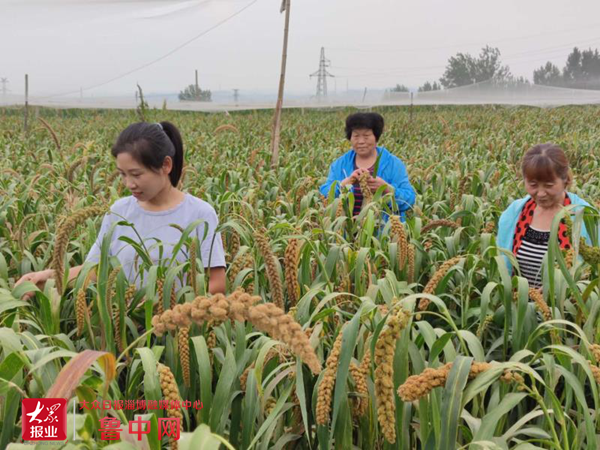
{"points": [[142, 106], [464, 69], [464, 164], [399, 88], [193, 93], [581, 71], [427, 87]]}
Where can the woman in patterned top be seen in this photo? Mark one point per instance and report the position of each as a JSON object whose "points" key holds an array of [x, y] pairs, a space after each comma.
{"points": [[524, 228], [363, 130]]}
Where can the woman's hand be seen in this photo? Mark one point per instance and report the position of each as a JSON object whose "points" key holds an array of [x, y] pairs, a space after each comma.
{"points": [[354, 176], [376, 183], [37, 278]]}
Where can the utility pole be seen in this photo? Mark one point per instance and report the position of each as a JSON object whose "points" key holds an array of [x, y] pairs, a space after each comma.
{"points": [[236, 96], [322, 75], [196, 80], [4, 81], [285, 6]]}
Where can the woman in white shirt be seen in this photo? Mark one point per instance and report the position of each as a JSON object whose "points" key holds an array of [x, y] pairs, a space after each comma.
{"points": [[149, 157]]}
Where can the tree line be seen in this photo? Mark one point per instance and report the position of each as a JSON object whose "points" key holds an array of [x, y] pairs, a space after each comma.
{"points": [[581, 71]]}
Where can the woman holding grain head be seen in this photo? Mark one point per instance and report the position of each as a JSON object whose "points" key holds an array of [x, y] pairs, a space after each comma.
{"points": [[524, 227], [149, 158], [363, 130]]}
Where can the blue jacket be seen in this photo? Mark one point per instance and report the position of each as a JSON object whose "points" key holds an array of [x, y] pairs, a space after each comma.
{"points": [[391, 169], [510, 217]]}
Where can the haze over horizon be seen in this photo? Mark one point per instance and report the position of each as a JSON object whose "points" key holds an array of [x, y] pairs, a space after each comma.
{"points": [[68, 45]]}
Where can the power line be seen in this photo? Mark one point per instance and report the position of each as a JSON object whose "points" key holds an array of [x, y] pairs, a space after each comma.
{"points": [[392, 71], [561, 47], [166, 55], [444, 47], [556, 47]]}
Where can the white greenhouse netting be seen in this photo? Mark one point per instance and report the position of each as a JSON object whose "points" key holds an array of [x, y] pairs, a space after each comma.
{"points": [[499, 93], [488, 92], [93, 54]]}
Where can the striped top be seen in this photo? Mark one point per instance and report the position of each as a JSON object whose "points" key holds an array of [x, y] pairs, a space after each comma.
{"points": [[358, 196], [530, 254]]}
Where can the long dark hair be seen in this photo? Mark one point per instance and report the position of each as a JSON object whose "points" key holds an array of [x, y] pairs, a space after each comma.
{"points": [[150, 143]]}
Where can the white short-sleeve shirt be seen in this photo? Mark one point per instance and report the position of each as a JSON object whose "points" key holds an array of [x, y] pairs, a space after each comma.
{"points": [[153, 226]]}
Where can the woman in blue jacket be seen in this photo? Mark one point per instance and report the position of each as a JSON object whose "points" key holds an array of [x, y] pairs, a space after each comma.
{"points": [[524, 227], [363, 130]]}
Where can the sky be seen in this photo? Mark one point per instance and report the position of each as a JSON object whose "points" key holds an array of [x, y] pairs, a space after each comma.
{"points": [[97, 46]]}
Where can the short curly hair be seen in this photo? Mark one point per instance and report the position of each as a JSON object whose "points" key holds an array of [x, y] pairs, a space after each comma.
{"points": [[365, 121]]}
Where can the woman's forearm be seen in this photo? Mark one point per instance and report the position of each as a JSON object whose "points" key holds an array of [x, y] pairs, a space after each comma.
{"points": [[75, 271], [217, 280]]}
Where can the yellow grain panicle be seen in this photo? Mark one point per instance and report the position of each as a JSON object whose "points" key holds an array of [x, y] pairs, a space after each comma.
{"points": [[327, 384], [510, 376], [434, 281], [170, 392], [363, 181], [595, 372], [359, 373], [570, 258], [291, 258], [81, 310], [117, 322], [484, 325], [410, 276], [183, 336], [63, 234], [590, 254], [270, 406], [130, 294], [384, 373], [489, 227], [339, 211], [240, 263], [540, 304], [225, 127], [240, 306], [398, 233], [595, 350], [275, 284], [417, 386], [234, 245], [439, 223], [160, 285]]}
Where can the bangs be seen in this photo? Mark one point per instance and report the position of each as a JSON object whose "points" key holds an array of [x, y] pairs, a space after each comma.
{"points": [[539, 168]]}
